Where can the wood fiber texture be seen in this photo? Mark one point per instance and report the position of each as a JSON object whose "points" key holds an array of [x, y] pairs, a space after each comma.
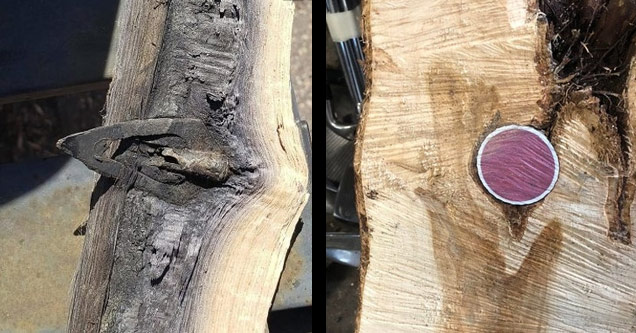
{"points": [[213, 263], [440, 253], [516, 165]]}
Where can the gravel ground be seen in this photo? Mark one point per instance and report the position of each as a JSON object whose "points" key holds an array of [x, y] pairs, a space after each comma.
{"points": [[301, 58]]}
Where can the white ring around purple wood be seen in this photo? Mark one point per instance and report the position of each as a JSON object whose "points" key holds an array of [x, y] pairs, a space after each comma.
{"points": [[517, 164]]}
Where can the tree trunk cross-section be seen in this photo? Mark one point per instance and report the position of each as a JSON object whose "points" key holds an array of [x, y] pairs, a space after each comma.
{"points": [[439, 252], [211, 264]]}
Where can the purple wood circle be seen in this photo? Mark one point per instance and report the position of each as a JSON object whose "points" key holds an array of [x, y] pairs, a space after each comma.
{"points": [[517, 164]]}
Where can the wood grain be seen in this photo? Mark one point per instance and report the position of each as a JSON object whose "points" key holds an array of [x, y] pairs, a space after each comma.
{"points": [[213, 263], [517, 164], [439, 253], [130, 86]]}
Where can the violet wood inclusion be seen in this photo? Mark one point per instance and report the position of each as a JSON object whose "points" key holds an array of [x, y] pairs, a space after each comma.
{"points": [[517, 164]]}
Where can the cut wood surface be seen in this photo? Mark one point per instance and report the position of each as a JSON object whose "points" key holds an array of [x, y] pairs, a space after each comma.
{"points": [[212, 264], [439, 252]]}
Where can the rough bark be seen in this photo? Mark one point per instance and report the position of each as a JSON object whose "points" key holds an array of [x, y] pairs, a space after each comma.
{"points": [[440, 253], [212, 263]]}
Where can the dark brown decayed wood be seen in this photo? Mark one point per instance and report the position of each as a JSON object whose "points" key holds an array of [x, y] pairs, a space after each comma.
{"points": [[153, 266]]}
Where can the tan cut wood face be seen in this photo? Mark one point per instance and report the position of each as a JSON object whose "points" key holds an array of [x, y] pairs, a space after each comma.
{"points": [[439, 253]]}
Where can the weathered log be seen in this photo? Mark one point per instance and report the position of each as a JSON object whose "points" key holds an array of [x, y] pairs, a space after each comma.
{"points": [[440, 252], [209, 262]]}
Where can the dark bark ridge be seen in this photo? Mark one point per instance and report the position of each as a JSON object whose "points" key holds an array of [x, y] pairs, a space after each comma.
{"points": [[202, 71], [591, 48]]}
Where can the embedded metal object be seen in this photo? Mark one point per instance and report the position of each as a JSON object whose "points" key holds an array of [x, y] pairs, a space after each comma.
{"points": [[31, 193], [169, 158]]}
